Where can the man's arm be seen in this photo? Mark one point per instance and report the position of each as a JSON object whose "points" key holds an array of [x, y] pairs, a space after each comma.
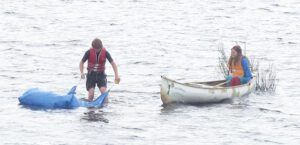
{"points": [[115, 68], [85, 57], [81, 70]]}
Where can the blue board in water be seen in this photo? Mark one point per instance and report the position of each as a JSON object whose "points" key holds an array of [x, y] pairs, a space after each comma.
{"points": [[43, 99]]}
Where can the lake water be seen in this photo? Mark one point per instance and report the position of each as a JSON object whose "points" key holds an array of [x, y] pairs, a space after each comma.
{"points": [[42, 42]]}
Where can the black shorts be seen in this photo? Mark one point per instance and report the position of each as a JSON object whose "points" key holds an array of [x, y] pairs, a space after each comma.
{"points": [[93, 78]]}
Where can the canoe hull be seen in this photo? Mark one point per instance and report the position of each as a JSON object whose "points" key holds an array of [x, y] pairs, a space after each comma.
{"points": [[173, 91]]}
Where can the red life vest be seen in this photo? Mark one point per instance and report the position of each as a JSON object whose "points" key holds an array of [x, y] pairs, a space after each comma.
{"points": [[95, 63]]}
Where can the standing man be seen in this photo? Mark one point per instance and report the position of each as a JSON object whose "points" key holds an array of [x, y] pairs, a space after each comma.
{"points": [[96, 57]]}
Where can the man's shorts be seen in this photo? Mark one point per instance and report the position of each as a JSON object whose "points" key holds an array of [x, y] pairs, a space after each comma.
{"points": [[93, 78]]}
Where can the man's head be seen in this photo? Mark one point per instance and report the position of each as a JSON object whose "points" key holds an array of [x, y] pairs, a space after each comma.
{"points": [[97, 43]]}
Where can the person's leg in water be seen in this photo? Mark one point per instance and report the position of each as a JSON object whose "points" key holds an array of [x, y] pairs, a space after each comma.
{"points": [[102, 83], [91, 94], [90, 85], [102, 90]]}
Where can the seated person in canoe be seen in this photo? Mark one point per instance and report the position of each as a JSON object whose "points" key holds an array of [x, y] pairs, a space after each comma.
{"points": [[239, 70]]}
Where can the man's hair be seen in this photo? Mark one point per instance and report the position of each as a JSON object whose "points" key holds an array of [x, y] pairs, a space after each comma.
{"points": [[97, 43]]}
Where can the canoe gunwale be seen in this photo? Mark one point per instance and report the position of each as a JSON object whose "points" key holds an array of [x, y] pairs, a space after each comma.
{"points": [[203, 86]]}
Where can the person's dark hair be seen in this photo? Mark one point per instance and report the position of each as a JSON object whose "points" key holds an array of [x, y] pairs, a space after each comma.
{"points": [[97, 43], [239, 56]]}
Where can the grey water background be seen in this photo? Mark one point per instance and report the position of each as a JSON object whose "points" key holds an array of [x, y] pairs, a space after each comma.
{"points": [[42, 42]]}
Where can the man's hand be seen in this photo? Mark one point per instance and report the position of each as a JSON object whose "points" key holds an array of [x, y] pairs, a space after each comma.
{"points": [[82, 76], [117, 80]]}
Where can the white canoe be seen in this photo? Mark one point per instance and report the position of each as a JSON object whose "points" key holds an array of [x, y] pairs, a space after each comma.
{"points": [[201, 92]]}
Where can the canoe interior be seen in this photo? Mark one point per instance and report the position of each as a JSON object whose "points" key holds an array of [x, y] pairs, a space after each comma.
{"points": [[220, 83]]}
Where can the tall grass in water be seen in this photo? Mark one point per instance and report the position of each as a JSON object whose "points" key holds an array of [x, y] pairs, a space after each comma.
{"points": [[223, 59], [265, 76], [266, 79]]}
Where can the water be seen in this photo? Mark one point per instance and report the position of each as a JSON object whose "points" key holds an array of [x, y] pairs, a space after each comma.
{"points": [[42, 43]]}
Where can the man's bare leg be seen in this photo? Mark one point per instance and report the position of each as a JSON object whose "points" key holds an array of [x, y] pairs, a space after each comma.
{"points": [[102, 90], [91, 94]]}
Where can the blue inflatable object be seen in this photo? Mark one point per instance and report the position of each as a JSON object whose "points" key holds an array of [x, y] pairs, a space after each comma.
{"points": [[38, 98]]}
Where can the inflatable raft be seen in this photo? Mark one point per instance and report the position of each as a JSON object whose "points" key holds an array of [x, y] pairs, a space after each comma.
{"points": [[37, 98]]}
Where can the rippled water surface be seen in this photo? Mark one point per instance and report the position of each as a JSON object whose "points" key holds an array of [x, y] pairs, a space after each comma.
{"points": [[42, 42]]}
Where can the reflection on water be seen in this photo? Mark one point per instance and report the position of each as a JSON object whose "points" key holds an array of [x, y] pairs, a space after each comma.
{"points": [[173, 106], [169, 108], [94, 115]]}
